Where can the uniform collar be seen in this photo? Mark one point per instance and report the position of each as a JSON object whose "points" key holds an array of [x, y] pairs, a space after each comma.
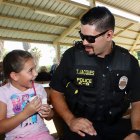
{"points": [[112, 51]]}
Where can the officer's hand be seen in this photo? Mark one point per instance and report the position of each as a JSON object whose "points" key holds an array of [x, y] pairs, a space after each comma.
{"points": [[132, 136], [82, 126]]}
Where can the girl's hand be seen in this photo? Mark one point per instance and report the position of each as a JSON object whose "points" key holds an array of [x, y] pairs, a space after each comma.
{"points": [[46, 111], [33, 106]]}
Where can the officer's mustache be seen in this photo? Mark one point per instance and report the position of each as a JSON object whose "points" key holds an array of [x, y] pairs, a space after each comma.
{"points": [[89, 47]]}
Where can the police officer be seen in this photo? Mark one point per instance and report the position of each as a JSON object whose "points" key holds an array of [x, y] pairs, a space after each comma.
{"points": [[95, 84]]}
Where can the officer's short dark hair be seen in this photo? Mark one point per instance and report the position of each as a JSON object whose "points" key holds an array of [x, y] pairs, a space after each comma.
{"points": [[101, 17]]}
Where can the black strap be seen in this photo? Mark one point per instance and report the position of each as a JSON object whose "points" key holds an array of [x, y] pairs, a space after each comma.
{"points": [[135, 131]]}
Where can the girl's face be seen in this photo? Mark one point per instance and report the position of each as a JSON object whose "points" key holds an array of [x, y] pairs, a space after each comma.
{"points": [[23, 79]]}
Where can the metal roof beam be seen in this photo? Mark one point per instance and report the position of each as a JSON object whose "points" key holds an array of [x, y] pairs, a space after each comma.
{"points": [[1, 2], [27, 31], [115, 6], [92, 3], [135, 42], [24, 40], [126, 28], [38, 9], [66, 32], [32, 21], [78, 5]]}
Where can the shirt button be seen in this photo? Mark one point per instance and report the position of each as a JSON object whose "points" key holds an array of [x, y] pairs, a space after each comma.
{"points": [[110, 112]]}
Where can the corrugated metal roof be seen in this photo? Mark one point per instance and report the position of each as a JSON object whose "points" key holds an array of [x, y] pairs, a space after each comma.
{"points": [[20, 22]]}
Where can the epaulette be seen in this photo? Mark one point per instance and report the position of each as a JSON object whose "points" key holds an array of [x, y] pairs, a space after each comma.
{"points": [[123, 50]]}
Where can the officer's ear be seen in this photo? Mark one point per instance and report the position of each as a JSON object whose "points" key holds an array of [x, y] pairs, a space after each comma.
{"points": [[109, 35]]}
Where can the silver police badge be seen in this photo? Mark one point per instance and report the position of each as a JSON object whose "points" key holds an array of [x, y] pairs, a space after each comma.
{"points": [[123, 82]]}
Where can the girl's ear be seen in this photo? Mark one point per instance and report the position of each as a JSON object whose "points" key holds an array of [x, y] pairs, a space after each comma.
{"points": [[14, 76]]}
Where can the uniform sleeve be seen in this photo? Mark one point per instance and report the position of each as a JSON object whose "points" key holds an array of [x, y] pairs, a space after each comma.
{"points": [[62, 70], [135, 81]]}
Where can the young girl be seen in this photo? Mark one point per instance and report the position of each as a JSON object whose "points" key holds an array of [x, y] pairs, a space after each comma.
{"points": [[20, 117]]}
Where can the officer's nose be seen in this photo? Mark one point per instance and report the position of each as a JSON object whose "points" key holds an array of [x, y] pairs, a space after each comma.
{"points": [[85, 42]]}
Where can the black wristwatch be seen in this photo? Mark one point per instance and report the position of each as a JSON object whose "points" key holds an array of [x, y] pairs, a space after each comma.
{"points": [[136, 132]]}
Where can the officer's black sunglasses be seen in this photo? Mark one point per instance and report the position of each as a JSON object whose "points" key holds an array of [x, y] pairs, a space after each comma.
{"points": [[90, 38]]}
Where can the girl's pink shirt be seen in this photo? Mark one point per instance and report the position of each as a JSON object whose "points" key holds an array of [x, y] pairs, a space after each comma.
{"points": [[16, 101]]}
